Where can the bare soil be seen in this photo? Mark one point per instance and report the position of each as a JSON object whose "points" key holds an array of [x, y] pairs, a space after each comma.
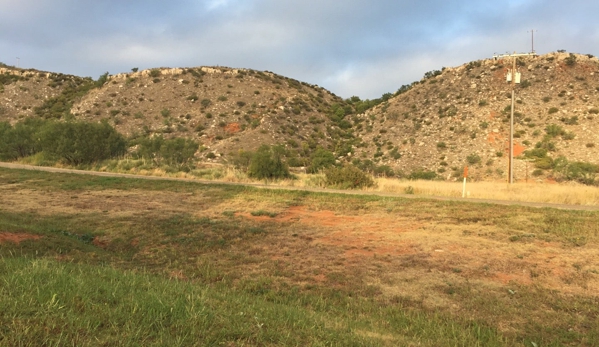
{"points": [[17, 237], [445, 250]]}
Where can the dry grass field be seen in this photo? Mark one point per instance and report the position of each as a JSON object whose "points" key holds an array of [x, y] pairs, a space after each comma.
{"points": [[103, 261], [569, 193]]}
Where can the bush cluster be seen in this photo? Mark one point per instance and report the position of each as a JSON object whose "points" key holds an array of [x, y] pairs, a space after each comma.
{"points": [[266, 163], [347, 177], [423, 175], [177, 151], [71, 142]]}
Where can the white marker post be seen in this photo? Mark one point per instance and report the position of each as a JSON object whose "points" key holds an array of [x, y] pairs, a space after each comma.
{"points": [[465, 176]]}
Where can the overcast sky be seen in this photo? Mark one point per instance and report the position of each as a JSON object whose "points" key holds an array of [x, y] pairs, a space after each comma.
{"points": [[352, 47]]}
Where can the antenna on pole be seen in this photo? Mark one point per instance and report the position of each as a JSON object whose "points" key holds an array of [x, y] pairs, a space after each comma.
{"points": [[532, 39]]}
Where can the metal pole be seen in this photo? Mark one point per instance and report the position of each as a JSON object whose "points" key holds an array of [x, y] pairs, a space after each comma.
{"points": [[511, 173]]}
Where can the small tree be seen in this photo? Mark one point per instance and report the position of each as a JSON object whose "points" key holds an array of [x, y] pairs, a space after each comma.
{"points": [[266, 164], [242, 159], [22, 140], [102, 80], [321, 159], [81, 142], [178, 151]]}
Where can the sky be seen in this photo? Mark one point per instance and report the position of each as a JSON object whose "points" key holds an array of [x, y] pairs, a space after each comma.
{"points": [[353, 47]]}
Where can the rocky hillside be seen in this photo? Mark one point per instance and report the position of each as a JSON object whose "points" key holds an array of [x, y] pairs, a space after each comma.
{"points": [[22, 91], [461, 115], [451, 118], [224, 109]]}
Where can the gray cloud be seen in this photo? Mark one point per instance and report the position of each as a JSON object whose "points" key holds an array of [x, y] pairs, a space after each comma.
{"points": [[355, 47]]}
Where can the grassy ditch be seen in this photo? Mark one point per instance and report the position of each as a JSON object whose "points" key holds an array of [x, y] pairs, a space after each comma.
{"points": [[109, 261]]}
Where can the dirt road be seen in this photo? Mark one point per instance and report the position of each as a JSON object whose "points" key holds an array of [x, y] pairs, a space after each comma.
{"points": [[320, 190]]}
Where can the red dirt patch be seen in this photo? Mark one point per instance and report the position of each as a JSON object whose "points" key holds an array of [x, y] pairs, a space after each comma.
{"points": [[17, 237], [232, 128], [494, 137], [359, 236], [363, 238], [518, 149]]}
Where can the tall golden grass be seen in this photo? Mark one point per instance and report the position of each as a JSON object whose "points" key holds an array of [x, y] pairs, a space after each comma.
{"points": [[571, 193]]}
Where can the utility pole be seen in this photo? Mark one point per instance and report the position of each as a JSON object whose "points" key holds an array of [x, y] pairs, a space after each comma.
{"points": [[513, 77], [532, 38], [18, 60]]}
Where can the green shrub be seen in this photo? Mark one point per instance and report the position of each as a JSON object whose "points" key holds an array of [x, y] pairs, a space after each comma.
{"points": [[536, 153], [554, 130], [177, 151], [205, 102], [568, 136], [441, 145], [384, 171], [242, 159], [101, 80], [473, 159], [22, 140], [553, 110], [544, 163], [266, 164], [582, 172], [81, 142], [155, 73], [321, 159], [422, 175], [570, 121], [537, 172], [570, 60], [347, 177]]}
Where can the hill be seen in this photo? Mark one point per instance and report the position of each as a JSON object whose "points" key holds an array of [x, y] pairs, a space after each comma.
{"points": [[224, 109], [460, 116], [451, 118]]}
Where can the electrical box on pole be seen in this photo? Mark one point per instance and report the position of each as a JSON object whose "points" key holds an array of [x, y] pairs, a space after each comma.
{"points": [[513, 77]]}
